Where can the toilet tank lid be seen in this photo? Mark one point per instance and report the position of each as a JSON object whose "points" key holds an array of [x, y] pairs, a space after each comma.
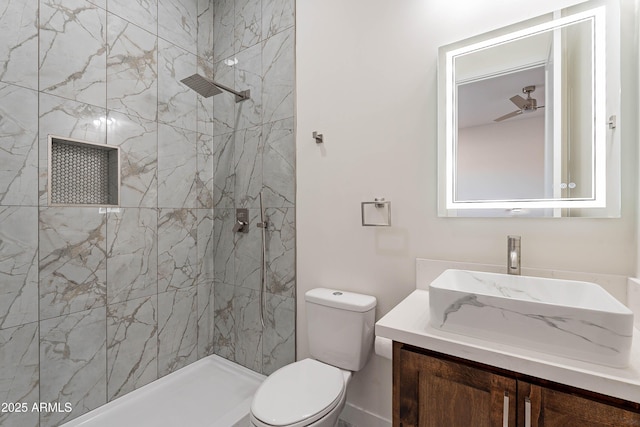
{"points": [[341, 299]]}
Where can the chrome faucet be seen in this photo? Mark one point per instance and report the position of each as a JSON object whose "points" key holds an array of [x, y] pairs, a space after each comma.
{"points": [[513, 255]]}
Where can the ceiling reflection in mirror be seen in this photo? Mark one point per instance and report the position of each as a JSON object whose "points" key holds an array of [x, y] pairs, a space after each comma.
{"points": [[525, 122]]}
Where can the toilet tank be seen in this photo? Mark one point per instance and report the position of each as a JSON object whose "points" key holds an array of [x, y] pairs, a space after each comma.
{"points": [[340, 327]]}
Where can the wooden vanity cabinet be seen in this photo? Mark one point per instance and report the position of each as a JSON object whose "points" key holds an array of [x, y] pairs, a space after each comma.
{"points": [[554, 408], [432, 392], [436, 390]]}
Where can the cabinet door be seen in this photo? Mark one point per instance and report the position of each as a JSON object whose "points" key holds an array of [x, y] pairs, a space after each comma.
{"points": [[431, 392], [553, 408]]}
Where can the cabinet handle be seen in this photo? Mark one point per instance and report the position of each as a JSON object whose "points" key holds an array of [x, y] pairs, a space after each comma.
{"points": [[505, 410], [527, 412]]}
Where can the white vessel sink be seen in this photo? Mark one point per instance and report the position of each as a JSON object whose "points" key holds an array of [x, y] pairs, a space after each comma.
{"points": [[579, 320]]}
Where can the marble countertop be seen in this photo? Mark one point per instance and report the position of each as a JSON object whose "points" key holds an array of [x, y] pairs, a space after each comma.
{"points": [[408, 323]]}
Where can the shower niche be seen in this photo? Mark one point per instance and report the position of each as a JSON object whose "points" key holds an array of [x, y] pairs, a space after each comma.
{"points": [[83, 173]]}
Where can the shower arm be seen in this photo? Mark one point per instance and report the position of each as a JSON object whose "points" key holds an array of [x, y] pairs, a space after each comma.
{"points": [[240, 96]]}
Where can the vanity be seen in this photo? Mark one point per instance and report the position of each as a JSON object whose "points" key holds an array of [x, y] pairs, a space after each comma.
{"points": [[443, 378], [437, 389], [527, 127]]}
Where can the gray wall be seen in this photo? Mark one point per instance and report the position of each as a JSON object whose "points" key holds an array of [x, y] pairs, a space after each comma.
{"points": [[94, 305], [255, 150]]}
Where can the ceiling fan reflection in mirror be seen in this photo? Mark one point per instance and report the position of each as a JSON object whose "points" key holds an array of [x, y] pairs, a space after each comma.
{"points": [[527, 105]]}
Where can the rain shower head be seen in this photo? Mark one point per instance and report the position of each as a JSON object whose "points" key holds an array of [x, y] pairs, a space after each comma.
{"points": [[207, 88], [202, 85]]}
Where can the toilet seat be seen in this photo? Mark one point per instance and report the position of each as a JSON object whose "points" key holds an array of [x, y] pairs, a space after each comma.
{"points": [[298, 394]]}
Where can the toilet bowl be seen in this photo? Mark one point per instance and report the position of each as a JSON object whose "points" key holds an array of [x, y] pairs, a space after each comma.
{"points": [[307, 393], [312, 392]]}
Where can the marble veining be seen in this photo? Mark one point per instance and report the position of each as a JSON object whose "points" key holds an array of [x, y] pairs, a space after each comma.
{"points": [[248, 163], [177, 167], [205, 245], [223, 29], [279, 334], [138, 142], [176, 102], [100, 3], [72, 260], [18, 266], [277, 15], [248, 330], [132, 254], [224, 104], [205, 279], [248, 258], [224, 178], [491, 286], [224, 324], [224, 252], [72, 363], [19, 47], [177, 250], [278, 163], [76, 73], [248, 76], [132, 345], [205, 106], [132, 69], [247, 24], [177, 329], [278, 81], [143, 13], [205, 174], [563, 324], [19, 373], [205, 29], [206, 319], [281, 269], [177, 23], [19, 142], [530, 312]]}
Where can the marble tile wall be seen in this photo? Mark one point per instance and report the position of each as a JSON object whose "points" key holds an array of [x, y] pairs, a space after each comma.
{"points": [[95, 304], [253, 152]]}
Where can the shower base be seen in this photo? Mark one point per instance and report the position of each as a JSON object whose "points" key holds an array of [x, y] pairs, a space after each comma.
{"points": [[211, 392]]}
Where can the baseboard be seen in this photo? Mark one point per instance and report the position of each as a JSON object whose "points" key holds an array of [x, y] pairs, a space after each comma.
{"points": [[358, 417]]}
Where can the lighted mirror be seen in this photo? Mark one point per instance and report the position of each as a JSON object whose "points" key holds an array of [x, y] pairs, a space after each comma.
{"points": [[527, 122]]}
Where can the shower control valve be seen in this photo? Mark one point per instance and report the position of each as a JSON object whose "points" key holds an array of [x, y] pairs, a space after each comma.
{"points": [[241, 227], [242, 221]]}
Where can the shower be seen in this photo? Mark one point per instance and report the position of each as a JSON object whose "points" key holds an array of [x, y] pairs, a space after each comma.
{"points": [[207, 88]]}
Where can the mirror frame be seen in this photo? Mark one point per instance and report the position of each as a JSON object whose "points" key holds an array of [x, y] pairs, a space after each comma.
{"points": [[447, 205]]}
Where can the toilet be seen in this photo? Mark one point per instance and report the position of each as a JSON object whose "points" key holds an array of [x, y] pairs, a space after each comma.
{"points": [[312, 392]]}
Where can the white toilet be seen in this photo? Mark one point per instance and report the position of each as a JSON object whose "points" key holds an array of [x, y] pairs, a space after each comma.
{"points": [[312, 392]]}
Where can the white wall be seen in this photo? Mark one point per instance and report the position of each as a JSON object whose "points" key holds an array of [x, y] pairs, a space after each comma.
{"points": [[366, 79], [637, 92]]}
